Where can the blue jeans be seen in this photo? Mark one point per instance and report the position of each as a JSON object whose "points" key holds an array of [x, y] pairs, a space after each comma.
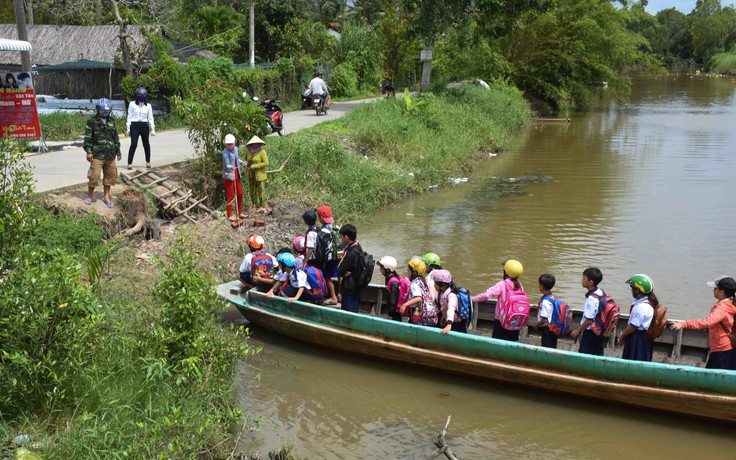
{"points": [[350, 302]]}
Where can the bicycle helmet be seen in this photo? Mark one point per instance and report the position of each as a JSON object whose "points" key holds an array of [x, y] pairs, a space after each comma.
{"points": [[642, 282], [416, 264], [513, 268], [256, 241], [387, 262], [431, 258], [286, 258]]}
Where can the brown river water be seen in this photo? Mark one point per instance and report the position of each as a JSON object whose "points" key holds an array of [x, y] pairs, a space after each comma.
{"points": [[649, 186]]}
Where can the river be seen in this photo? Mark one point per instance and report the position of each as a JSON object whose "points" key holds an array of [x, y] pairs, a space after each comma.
{"points": [[642, 187]]}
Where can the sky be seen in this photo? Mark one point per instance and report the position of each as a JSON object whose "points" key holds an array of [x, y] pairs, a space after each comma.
{"points": [[684, 6]]}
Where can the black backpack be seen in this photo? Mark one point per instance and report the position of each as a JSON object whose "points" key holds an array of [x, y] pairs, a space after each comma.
{"points": [[367, 264], [325, 249]]}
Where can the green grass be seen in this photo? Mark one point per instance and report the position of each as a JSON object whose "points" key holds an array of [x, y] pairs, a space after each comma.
{"points": [[722, 63], [379, 153]]}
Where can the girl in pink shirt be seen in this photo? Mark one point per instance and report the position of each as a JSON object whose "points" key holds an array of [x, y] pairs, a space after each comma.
{"points": [[512, 270], [719, 323]]}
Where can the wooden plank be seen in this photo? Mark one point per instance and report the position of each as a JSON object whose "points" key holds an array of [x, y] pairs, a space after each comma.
{"points": [[165, 194], [151, 184]]}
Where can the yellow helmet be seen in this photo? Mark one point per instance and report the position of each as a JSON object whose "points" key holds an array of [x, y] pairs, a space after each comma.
{"points": [[416, 264], [513, 268]]}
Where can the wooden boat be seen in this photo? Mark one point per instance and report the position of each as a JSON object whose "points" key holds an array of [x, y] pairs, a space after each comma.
{"points": [[664, 387]]}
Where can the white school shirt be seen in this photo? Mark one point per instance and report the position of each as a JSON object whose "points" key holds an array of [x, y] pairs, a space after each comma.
{"points": [[429, 279], [545, 310], [642, 313], [281, 276], [143, 112], [311, 242], [415, 290], [590, 309], [298, 279]]}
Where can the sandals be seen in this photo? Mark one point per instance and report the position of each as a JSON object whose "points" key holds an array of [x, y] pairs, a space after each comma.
{"points": [[130, 167], [88, 201], [108, 203], [232, 218], [242, 215], [148, 165]]}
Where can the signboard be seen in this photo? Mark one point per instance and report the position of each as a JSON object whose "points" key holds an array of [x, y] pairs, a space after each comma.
{"points": [[425, 55], [18, 114]]}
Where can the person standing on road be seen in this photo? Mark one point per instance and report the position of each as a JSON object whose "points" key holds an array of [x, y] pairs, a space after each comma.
{"points": [[319, 87], [102, 145], [140, 123]]}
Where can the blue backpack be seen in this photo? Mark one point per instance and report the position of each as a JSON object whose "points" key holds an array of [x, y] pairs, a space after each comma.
{"points": [[561, 319], [317, 284], [465, 305]]}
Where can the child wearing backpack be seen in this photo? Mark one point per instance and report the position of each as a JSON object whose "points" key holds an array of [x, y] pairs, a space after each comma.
{"points": [[720, 323], [255, 270], [432, 262], [591, 343], [637, 346], [420, 305], [394, 285], [329, 267], [512, 312], [546, 308], [349, 270], [449, 303], [310, 238], [299, 249], [290, 282]]}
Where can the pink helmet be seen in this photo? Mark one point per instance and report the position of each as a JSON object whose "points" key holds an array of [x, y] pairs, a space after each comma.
{"points": [[442, 276], [299, 244]]}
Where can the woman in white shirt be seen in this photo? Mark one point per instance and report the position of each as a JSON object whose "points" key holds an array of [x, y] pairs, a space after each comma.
{"points": [[140, 123]]}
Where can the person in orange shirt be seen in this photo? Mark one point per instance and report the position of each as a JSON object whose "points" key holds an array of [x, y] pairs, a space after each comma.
{"points": [[719, 323]]}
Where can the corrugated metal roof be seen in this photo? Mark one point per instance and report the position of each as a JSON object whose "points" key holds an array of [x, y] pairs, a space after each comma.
{"points": [[7, 44]]}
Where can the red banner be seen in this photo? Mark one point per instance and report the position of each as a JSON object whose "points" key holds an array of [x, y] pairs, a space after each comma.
{"points": [[18, 114]]}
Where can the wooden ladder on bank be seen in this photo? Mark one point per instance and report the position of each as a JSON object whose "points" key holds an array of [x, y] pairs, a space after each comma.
{"points": [[174, 200]]}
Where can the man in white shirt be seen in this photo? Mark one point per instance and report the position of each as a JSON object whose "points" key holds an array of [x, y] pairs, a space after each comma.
{"points": [[319, 87]]}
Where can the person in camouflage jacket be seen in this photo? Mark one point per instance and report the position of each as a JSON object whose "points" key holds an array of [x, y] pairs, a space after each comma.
{"points": [[102, 145]]}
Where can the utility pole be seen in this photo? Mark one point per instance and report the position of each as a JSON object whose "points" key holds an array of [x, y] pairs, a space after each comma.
{"points": [[426, 58], [252, 31], [20, 22]]}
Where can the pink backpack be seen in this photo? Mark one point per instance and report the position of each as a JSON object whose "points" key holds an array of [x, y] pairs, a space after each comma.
{"points": [[425, 313], [514, 314], [404, 288]]}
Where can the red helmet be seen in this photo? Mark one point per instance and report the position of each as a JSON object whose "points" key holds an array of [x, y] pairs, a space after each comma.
{"points": [[256, 241], [299, 243]]}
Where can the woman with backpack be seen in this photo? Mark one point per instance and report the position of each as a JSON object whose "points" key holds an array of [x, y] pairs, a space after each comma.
{"points": [[637, 346], [449, 303], [719, 323], [421, 305], [509, 319]]}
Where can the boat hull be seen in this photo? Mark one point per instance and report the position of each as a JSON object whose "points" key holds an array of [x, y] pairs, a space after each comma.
{"points": [[678, 389]]}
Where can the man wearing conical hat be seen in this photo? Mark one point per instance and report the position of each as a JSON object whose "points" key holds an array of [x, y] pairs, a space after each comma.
{"points": [[257, 162]]}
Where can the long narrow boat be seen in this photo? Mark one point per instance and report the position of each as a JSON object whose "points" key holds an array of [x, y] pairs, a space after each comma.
{"points": [[665, 387]]}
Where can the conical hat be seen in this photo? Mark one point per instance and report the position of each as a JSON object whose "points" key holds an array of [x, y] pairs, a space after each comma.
{"points": [[255, 140]]}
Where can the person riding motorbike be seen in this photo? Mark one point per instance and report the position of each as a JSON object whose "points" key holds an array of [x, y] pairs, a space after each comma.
{"points": [[319, 87]]}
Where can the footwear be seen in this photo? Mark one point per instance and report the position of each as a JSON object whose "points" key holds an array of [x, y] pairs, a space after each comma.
{"points": [[242, 215], [231, 218], [88, 201], [330, 302], [130, 167], [108, 203], [148, 165], [236, 223]]}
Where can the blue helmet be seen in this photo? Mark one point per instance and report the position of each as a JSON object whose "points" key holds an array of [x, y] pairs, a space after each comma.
{"points": [[104, 107], [286, 258]]}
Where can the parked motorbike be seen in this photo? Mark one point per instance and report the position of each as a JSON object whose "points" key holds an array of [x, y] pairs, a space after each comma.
{"points": [[319, 105], [387, 89], [272, 111], [306, 98]]}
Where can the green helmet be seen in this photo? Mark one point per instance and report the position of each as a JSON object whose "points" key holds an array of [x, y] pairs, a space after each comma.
{"points": [[642, 282], [431, 258]]}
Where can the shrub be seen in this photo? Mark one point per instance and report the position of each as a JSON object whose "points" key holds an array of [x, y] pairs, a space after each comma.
{"points": [[16, 188], [69, 233], [344, 81]]}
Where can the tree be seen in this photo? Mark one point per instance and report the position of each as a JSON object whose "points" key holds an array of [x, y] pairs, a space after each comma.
{"points": [[712, 28]]}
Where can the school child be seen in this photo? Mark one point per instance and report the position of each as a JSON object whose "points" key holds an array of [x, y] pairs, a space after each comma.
{"points": [[349, 270], [290, 283], [310, 237], [591, 343], [446, 290], [387, 265], [720, 323], [512, 270], [421, 305], [546, 307], [299, 249], [255, 271], [329, 269], [432, 262], [637, 345]]}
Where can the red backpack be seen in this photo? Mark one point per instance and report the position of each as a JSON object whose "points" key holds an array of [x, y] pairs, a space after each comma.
{"points": [[261, 264], [514, 313], [404, 288], [606, 319]]}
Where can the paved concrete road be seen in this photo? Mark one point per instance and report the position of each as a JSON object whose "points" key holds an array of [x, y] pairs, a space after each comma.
{"points": [[69, 167]]}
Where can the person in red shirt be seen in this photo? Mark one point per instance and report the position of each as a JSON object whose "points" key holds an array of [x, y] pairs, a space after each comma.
{"points": [[719, 323]]}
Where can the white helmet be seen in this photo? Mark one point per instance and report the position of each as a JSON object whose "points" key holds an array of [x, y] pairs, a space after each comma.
{"points": [[229, 139], [388, 262]]}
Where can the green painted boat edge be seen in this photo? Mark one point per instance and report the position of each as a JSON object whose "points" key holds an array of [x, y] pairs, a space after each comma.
{"points": [[677, 377]]}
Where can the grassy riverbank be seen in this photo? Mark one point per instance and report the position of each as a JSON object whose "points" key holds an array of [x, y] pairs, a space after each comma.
{"points": [[381, 152]]}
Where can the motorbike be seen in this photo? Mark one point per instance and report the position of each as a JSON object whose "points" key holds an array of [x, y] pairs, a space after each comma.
{"points": [[272, 111], [306, 98], [319, 105], [387, 89]]}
